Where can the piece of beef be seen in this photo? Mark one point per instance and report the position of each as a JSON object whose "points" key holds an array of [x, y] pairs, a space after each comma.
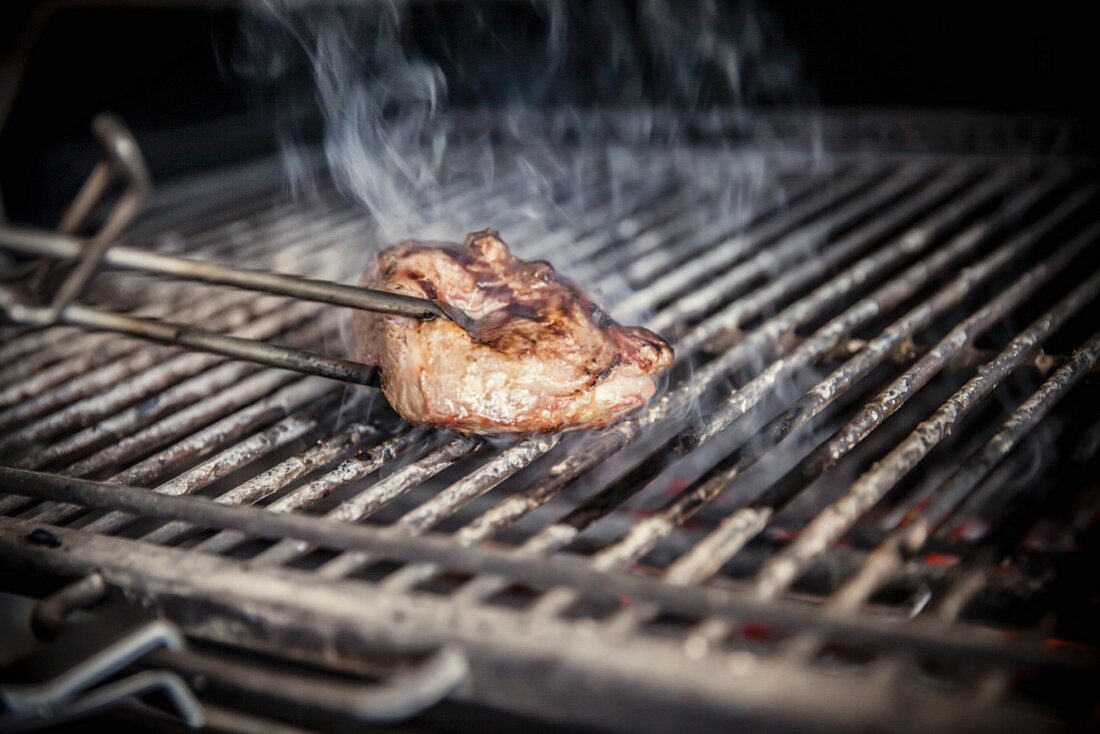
{"points": [[540, 356]]}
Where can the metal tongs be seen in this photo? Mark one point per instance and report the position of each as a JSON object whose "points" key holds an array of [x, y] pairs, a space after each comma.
{"points": [[20, 302]]}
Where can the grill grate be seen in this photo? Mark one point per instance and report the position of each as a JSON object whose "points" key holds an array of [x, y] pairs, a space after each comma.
{"points": [[865, 497]]}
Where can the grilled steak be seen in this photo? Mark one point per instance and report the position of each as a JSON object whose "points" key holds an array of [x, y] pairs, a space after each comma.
{"points": [[540, 356]]}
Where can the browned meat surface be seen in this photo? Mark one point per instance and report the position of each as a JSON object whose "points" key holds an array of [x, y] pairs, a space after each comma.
{"points": [[540, 356]]}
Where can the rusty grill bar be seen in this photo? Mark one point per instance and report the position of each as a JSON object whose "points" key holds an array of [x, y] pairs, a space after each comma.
{"points": [[866, 497]]}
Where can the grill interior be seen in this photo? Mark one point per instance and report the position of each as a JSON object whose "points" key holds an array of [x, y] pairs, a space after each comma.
{"points": [[866, 497]]}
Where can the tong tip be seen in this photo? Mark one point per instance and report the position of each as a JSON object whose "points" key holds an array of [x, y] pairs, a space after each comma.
{"points": [[454, 314]]}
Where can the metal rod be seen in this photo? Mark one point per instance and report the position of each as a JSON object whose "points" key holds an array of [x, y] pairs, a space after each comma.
{"points": [[908, 538], [746, 522], [67, 247], [726, 254], [649, 530], [268, 395], [181, 373], [62, 246], [134, 358], [371, 500], [265, 483], [679, 400], [349, 470], [228, 346], [50, 614], [268, 230], [507, 461], [694, 248], [165, 299], [224, 311], [123, 158], [957, 640], [284, 431], [781, 570]]}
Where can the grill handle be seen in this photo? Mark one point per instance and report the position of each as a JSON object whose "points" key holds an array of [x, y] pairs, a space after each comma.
{"points": [[396, 699]]}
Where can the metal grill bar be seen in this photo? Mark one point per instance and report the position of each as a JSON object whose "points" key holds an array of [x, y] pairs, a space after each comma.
{"points": [[806, 193], [827, 527], [270, 481], [908, 539], [346, 565], [667, 537], [177, 382], [716, 549], [369, 500], [745, 523], [350, 470], [716, 291], [296, 393], [670, 244], [667, 207], [674, 402], [311, 495], [519, 505], [286, 400], [955, 640], [682, 264], [731, 252], [319, 397], [645, 533]]}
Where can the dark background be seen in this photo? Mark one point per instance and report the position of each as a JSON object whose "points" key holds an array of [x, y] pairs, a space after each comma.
{"points": [[167, 69]]}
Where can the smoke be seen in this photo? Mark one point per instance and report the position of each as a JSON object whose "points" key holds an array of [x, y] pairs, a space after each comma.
{"points": [[377, 104], [536, 113], [389, 80]]}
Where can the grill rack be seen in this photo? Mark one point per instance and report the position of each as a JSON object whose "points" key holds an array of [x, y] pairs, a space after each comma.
{"points": [[683, 619]]}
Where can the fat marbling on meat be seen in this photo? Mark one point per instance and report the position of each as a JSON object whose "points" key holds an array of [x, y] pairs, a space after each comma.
{"points": [[539, 356]]}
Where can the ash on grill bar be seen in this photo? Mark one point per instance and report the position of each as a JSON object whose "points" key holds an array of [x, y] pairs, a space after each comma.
{"points": [[864, 497]]}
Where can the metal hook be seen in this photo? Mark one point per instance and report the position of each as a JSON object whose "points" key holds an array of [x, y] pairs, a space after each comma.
{"points": [[48, 616], [73, 684], [122, 160], [71, 688]]}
